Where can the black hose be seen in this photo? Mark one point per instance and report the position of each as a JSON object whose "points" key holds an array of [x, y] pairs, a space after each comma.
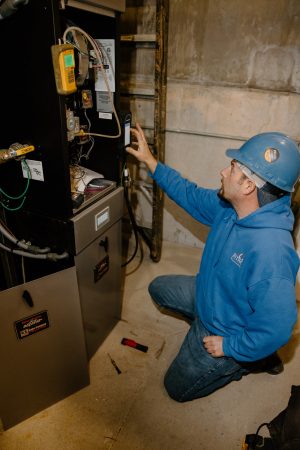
{"points": [[134, 227]]}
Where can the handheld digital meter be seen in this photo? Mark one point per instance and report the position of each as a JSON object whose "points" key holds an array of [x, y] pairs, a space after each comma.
{"points": [[64, 65]]}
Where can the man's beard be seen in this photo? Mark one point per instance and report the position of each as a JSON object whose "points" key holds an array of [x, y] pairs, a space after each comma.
{"points": [[221, 194]]}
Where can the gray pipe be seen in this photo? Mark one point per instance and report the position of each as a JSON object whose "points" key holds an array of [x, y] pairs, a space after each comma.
{"points": [[50, 256], [22, 244], [9, 7]]}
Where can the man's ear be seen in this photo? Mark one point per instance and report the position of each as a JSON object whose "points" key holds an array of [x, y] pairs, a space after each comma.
{"points": [[249, 186]]}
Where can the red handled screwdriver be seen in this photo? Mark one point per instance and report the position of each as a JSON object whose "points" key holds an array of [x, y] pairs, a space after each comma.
{"points": [[133, 344]]}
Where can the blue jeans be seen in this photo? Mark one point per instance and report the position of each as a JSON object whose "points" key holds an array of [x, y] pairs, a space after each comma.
{"points": [[194, 372]]}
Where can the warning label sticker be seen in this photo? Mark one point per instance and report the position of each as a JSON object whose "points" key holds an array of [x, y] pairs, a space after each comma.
{"points": [[31, 325]]}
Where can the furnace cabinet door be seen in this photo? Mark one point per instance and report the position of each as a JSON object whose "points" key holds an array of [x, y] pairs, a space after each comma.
{"points": [[99, 279], [42, 345]]}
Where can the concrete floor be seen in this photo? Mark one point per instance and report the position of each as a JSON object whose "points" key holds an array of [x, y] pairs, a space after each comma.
{"points": [[131, 410]]}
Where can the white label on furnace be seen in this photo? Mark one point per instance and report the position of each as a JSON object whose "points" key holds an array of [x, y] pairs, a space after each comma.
{"points": [[107, 116], [35, 168], [107, 48], [102, 218]]}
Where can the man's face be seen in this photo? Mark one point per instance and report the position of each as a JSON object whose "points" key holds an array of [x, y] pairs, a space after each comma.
{"points": [[232, 179]]}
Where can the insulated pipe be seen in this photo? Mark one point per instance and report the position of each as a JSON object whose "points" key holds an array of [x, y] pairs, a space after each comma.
{"points": [[9, 7], [31, 248], [50, 256]]}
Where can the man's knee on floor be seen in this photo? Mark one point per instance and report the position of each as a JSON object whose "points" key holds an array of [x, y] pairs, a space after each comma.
{"points": [[179, 396], [176, 392], [155, 287], [172, 393]]}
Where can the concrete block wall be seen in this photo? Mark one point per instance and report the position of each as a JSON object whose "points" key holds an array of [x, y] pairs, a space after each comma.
{"points": [[233, 72]]}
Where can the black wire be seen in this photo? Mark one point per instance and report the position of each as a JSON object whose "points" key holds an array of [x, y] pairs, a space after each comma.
{"points": [[134, 226], [256, 434]]}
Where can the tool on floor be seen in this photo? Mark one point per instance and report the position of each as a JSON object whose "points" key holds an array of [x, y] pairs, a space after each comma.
{"points": [[114, 364], [257, 442], [133, 344]]}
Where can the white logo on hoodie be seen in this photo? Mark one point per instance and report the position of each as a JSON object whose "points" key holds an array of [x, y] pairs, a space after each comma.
{"points": [[238, 258]]}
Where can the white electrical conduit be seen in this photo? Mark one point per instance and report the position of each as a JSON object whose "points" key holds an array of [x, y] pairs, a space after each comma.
{"points": [[99, 57], [49, 256]]}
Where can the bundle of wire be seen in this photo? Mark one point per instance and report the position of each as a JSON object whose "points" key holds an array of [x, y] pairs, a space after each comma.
{"points": [[21, 197], [99, 58], [24, 249]]}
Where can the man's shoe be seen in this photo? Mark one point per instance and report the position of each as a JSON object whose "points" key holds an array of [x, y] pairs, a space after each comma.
{"points": [[276, 370], [274, 364]]}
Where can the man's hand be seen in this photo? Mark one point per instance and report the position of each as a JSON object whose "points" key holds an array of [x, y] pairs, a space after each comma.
{"points": [[143, 152], [214, 345]]}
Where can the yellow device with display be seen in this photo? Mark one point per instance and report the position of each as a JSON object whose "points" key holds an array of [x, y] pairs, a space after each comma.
{"points": [[64, 65]]}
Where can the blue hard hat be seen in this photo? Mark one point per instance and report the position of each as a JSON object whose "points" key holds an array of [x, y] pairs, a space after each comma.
{"points": [[273, 156]]}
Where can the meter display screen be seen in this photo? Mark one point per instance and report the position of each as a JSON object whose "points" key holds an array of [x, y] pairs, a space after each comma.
{"points": [[69, 61]]}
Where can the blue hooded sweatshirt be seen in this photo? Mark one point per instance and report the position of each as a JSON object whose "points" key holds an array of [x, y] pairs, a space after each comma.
{"points": [[245, 287]]}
